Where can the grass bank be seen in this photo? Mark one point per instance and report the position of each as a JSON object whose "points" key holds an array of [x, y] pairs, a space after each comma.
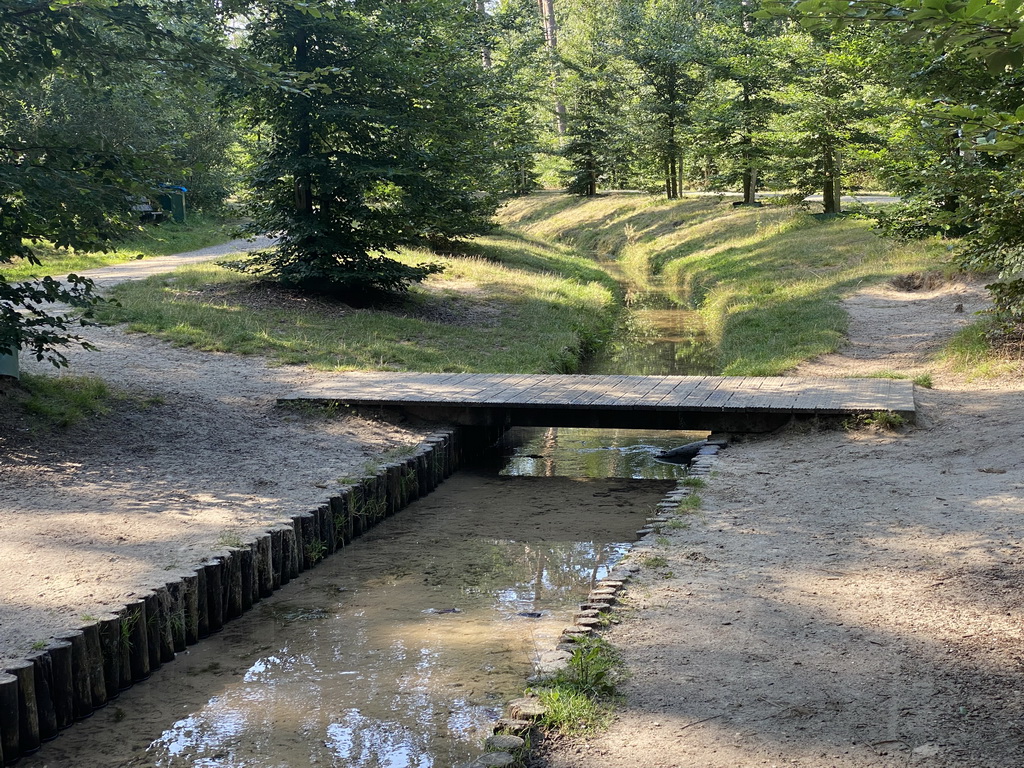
{"points": [[151, 240], [767, 281], [502, 306]]}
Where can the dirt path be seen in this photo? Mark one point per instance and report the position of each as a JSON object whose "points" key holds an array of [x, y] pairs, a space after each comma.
{"points": [[198, 458], [844, 599]]}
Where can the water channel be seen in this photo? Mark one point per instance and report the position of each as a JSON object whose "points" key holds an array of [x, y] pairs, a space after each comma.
{"points": [[400, 651]]}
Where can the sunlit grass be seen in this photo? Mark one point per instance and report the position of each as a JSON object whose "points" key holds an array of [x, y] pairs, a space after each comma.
{"points": [[476, 316], [971, 352], [768, 282], [150, 240]]}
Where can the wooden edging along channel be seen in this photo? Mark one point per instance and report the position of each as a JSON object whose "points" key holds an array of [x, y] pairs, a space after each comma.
{"points": [[81, 670]]}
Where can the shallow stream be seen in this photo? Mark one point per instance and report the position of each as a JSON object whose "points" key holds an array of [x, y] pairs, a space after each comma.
{"points": [[401, 651], [398, 652]]}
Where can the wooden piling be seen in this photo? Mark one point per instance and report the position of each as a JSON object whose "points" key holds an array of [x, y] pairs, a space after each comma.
{"points": [[94, 656], [176, 614], [110, 643], [42, 668], [289, 553], [303, 539], [190, 599], [233, 584], [279, 575], [28, 709], [10, 719], [62, 685], [134, 629], [167, 615], [247, 563], [81, 674], [265, 565], [153, 630], [327, 529], [202, 602], [214, 570]]}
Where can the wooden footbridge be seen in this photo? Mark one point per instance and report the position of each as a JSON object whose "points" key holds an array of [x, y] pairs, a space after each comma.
{"points": [[718, 403]]}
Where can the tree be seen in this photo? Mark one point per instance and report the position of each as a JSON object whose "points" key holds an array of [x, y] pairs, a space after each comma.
{"points": [[983, 137], [376, 141], [660, 38], [59, 183], [827, 115]]}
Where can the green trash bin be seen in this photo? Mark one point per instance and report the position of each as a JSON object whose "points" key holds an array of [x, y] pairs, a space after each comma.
{"points": [[9, 364], [172, 200]]}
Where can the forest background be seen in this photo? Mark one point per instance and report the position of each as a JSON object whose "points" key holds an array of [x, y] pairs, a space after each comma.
{"points": [[353, 128]]}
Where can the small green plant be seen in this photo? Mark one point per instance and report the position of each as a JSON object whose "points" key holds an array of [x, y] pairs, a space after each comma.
{"points": [[229, 540], [119, 715], [663, 541], [689, 504], [128, 622], [38, 645], [692, 481], [88, 617], [924, 381], [886, 421], [678, 525], [577, 699], [316, 551]]}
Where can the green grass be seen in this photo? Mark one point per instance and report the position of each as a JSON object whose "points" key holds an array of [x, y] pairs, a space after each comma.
{"points": [[578, 699], [480, 315], [981, 351], [767, 282], [58, 401], [151, 240]]}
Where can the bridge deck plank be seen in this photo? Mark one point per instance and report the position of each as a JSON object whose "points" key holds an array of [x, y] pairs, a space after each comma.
{"points": [[731, 395]]}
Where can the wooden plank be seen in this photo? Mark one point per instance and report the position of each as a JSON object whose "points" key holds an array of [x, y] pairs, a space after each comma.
{"points": [[684, 386], [656, 394], [509, 388], [614, 389], [639, 387]]}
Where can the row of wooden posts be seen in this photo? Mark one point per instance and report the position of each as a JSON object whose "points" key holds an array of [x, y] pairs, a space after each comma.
{"points": [[83, 669]]}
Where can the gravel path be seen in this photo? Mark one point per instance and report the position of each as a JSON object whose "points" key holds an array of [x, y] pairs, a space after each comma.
{"points": [[194, 458], [843, 599]]}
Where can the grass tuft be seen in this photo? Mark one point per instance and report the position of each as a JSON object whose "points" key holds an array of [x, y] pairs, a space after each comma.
{"points": [[578, 698]]}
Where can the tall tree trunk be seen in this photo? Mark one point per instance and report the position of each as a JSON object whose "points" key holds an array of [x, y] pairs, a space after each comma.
{"points": [[485, 52], [749, 171], [831, 193], [547, 15], [303, 184]]}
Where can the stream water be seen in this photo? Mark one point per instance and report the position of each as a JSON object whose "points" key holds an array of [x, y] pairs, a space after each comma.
{"points": [[401, 651]]}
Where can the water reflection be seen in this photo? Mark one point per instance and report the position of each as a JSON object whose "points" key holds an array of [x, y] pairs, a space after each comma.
{"points": [[574, 452], [398, 653]]}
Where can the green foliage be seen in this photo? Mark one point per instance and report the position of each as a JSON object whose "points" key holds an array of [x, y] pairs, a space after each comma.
{"points": [[376, 142], [80, 138]]}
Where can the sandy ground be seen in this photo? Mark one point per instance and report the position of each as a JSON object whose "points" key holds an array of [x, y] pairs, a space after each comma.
{"points": [[845, 599], [198, 458]]}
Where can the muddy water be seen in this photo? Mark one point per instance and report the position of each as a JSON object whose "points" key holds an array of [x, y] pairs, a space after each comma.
{"points": [[398, 652]]}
